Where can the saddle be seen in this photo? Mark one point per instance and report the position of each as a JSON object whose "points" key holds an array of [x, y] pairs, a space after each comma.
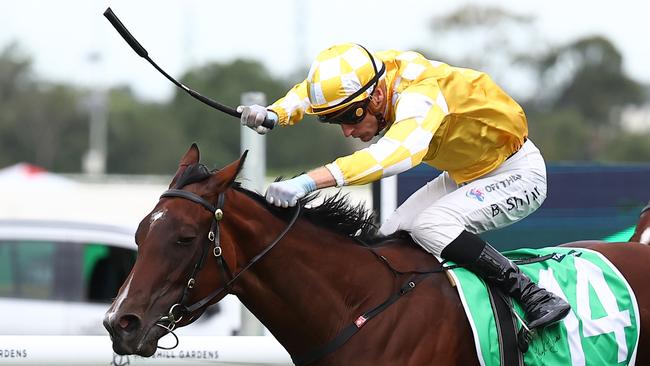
{"points": [[586, 278], [402, 254]]}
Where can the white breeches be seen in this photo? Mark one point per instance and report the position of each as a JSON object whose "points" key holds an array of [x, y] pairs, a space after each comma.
{"points": [[438, 212]]}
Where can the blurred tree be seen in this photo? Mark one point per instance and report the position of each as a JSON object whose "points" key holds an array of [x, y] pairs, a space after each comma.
{"points": [[560, 135], [143, 138], [14, 81], [587, 76], [15, 73], [629, 147], [40, 122], [53, 127], [217, 133]]}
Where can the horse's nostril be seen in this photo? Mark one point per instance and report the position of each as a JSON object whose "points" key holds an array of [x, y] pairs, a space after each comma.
{"points": [[128, 323]]}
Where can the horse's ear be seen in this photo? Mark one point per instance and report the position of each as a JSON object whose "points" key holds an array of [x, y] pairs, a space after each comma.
{"points": [[191, 157], [226, 176], [229, 172]]}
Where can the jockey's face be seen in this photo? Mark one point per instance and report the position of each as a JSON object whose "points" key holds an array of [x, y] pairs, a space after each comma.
{"points": [[364, 130], [369, 125]]}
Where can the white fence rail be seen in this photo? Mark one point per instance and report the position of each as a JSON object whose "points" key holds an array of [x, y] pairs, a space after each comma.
{"points": [[96, 350]]}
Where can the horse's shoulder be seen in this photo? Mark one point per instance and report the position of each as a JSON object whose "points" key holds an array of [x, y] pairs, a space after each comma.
{"points": [[405, 255]]}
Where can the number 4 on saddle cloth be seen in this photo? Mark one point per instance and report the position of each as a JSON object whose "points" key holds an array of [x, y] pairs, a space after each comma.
{"points": [[601, 329]]}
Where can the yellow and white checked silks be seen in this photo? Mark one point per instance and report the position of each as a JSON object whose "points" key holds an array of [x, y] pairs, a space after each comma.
{"points": [[454, 119]]}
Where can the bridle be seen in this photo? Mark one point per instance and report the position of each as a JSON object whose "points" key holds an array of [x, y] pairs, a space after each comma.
{"points": [[179, 309]]}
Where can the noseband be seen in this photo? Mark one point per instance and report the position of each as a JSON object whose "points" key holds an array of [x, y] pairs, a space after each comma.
{"points": [[179, 309]]}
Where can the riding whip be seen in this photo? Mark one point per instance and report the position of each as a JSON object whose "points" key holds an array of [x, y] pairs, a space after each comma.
{"points": [[137, 47]]}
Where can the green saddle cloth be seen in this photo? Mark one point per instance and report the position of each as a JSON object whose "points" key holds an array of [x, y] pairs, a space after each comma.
{"points": [[601, 329]]}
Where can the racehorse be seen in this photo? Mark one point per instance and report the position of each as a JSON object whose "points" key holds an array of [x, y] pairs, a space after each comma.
{"points": [[642, 230], [305, 275]]}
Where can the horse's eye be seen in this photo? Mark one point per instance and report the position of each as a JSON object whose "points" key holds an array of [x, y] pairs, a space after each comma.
{"points": [[185, 240]]}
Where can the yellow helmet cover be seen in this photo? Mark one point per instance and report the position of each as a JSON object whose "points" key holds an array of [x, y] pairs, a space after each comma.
{"points": [[341, 75]]}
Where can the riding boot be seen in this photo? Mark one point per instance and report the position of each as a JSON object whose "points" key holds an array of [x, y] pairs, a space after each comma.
{"points": [[542, 308]]}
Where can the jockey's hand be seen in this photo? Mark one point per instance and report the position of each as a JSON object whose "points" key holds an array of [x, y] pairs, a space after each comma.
{"points": [[253, 116], [287, 193]]}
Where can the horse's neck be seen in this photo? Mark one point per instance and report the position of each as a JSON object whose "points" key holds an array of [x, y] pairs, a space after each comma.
{"points": [[310, 285]]}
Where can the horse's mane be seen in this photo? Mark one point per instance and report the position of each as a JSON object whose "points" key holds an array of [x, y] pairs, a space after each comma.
{"points": [[192, 174], [335, 213]]}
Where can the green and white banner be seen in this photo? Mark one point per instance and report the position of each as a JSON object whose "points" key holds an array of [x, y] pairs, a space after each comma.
{"points": [[601, 329]]}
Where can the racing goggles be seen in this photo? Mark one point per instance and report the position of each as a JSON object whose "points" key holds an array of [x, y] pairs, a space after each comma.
{"points": [[348, 116]]}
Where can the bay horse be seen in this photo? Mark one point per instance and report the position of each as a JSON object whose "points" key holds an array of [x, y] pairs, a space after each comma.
{"points": [[642, 230], [306, 276]]}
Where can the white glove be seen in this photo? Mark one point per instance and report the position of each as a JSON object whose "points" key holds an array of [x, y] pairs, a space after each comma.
{"points": [[253, 116], [287, 193]]}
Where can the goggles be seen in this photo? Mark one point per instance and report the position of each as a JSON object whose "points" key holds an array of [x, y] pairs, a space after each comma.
{"points": [[348, 116]]}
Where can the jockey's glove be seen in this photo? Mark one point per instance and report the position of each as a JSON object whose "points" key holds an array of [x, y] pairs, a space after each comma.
{"points": [[287, 193], [253, 116]]}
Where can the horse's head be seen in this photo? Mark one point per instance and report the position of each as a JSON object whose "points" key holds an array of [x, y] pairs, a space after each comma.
{"points": [[173, 243]]}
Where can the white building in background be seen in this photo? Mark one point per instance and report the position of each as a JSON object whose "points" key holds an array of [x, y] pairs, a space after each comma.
{"points": [[29, 192]]}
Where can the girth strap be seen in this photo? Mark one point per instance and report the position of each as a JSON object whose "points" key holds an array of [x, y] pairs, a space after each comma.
{"points": [[353, 328]]}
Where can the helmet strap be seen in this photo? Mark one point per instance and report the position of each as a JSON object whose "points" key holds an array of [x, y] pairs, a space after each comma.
{"points": [[381, 122]]}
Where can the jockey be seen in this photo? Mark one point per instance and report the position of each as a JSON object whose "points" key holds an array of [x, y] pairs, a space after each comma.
{"points": [[454, 119]]}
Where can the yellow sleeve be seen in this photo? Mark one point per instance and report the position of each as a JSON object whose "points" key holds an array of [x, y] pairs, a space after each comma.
{"points": [[291, 108], [406, 142]]}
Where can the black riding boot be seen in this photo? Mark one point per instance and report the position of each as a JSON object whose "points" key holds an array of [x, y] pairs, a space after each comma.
{"points": [[542, 307]]}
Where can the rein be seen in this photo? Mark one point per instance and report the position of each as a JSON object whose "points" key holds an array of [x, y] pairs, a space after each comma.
{"points": [[179, 309], [415, 277]]}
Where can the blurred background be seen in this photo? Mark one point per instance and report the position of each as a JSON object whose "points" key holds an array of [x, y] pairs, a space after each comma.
{"points": [[90, 132], [580, 72]]}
